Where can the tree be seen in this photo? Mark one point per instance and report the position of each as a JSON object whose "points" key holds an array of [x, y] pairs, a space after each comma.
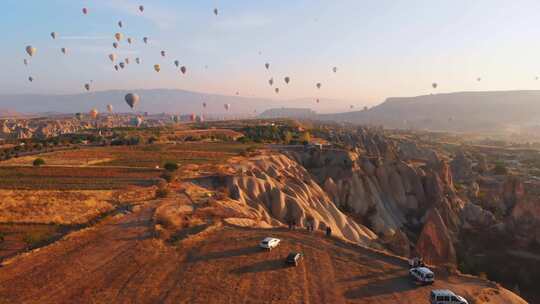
{"points": [[305, 138], [170, 166], [287, 137], [38, 162]]}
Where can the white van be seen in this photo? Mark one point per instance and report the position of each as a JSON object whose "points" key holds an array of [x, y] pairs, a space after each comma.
{"points": [[444, 296], [269, 243], [423, 275]]}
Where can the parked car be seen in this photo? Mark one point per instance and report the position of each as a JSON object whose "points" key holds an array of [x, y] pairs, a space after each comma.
{"points": [[423, 275], [294, 258], [269, 243], [444, 296]]}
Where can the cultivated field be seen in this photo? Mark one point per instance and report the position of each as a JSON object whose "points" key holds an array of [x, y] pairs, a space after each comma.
{"points": [[75, 178], [148, 156], [53, 207]]}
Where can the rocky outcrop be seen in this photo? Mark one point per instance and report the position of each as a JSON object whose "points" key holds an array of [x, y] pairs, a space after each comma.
{"points": [[461, 167], [435, 243], [512, 191], [410, 150], [474, 215], [525, 219], [282, 191]]}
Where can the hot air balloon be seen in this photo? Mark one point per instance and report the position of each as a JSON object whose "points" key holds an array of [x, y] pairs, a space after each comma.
{"points": [[141, 8], [157, 67], [30, 78], [434, 85], [25, 61], [183, 69], [271, 81], [87, 86], [318, 85], [64, 50], [216, 12], [138, 60], [94, 113], [318, 101], [112, 57], [334, 69], [85, 11], [132, 99], [116, 67], [479, 79], [129, 40], [277, 90], [31, 50], [120, 24], [287, 80], [145, 40], [267, 65], [163, 54], [115, 45], [351, 106], [177, 63], [53, 35], [126, 60], [204, 104], [237, 93], [227, 106], [109, 108], [118, 36], [122, 65]]}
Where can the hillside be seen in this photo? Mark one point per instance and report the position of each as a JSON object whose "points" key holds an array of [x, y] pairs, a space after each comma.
{"points": [[464, 111], [119, 261]]}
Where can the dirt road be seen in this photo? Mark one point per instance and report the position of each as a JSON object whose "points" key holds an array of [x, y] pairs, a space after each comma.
{"points": [[119, 261]]}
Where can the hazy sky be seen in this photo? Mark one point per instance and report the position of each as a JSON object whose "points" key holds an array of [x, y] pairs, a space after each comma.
{"points": [[382, 48]]}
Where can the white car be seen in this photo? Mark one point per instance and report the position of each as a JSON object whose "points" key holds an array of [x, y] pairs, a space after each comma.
{"points": [[444, 296], [423, 275], [269, 243]]}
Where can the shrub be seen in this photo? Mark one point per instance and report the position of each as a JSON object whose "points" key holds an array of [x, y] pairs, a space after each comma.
{"points": [[38, 162], [167, 176], [170, 166], [162, 192], [500, 169], [36, 238]]}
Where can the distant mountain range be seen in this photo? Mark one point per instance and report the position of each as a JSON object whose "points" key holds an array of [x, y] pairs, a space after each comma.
{"points": [[154, 101], [464, 111]]}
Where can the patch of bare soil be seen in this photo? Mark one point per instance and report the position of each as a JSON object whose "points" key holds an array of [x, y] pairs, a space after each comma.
{"points": [[120, 260]]}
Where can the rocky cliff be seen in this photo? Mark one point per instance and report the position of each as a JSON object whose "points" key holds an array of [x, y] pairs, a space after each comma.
{"points": [[390, 189], [282, 192]]}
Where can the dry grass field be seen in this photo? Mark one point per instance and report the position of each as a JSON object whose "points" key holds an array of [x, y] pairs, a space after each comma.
{"points": [[53, 206], [147, 156], [75, 178]]}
